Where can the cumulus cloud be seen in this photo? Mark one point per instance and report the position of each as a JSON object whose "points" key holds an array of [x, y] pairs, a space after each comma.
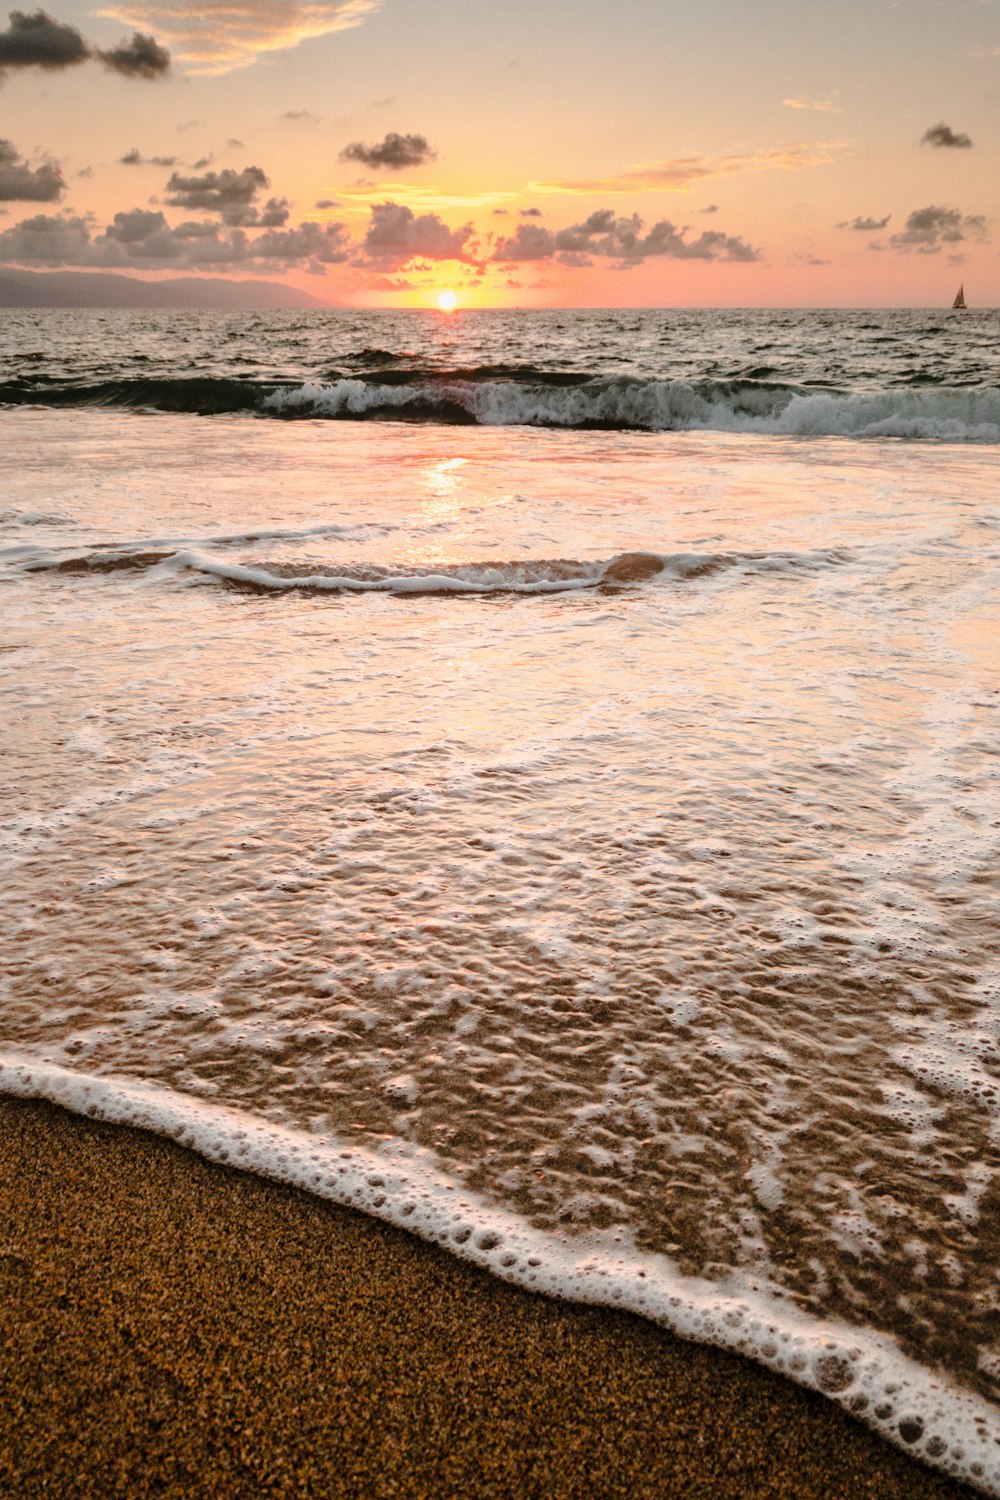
{"points": [[865, 225], [603, 235], [677, 175], [942, 135], [139, 57], [37, 41], [396, 236], [230, 194], [928, 229], [215, 36], [21, 183], [135, 158], [391, 154], [142, 238]]}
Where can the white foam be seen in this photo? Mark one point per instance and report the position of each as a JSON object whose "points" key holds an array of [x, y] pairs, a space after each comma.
{"points": [[670, 405], [865, 1372]]}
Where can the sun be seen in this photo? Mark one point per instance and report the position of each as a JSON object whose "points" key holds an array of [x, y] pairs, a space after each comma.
{"points": [[447, 301]]}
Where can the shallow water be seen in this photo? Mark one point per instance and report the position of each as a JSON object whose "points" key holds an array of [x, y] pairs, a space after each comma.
{"points": [[579, 846]]}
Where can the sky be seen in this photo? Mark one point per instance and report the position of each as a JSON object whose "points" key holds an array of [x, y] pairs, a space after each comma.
{"points": [[535, 153]]}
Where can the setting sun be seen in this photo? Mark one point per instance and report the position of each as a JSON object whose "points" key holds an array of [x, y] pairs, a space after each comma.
{"points": [[447, 301]]}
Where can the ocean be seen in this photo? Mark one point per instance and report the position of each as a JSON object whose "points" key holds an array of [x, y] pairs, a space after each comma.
{"points": [[532, 777]]}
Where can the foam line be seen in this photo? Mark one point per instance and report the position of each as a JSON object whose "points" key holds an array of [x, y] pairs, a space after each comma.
{"points": [[918, 1410]]}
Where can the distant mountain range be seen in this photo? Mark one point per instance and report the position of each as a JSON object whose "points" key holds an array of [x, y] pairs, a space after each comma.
{"points": [[107, 289]]}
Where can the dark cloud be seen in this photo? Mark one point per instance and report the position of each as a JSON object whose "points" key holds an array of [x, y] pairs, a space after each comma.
{"points": [[604, 235], [394, 153], [327, 203], [21, 183], [530, 213], [142, 238], [139, 57], [37, 41], [300, 114], [235, 144], [864, 225], [135, 158], [501, 213], [928, 229], [396, 236], [322, 244], [230, 194], [943, 135], [531, 242], [713, 208]]}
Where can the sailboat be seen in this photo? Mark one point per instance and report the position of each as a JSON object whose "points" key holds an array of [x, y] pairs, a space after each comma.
{"points": [[960, 298]]}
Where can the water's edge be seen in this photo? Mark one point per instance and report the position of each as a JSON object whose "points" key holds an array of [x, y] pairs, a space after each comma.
{"points": [[927, 1416]]}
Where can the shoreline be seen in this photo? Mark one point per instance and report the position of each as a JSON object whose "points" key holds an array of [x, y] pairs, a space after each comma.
{"points": [[180, 1328]]}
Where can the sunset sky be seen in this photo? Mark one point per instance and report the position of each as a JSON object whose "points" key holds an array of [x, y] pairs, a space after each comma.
{"points": [[533, 153]]}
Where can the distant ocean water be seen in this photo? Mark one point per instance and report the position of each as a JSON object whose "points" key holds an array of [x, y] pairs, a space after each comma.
{"points": [[533, 777]]}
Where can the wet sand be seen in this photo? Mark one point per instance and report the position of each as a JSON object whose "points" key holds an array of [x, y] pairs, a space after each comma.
{"points": [[176, 1328]]}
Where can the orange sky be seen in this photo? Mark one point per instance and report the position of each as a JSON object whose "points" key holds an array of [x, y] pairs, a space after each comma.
{"points": [[557, 153]]}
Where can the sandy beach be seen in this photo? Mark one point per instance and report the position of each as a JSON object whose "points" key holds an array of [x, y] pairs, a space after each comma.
{"points": [[175, 1328]]}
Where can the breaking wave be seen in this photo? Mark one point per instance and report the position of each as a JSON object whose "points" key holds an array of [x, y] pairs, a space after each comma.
{"points": [[519, 576], [508, 395]]}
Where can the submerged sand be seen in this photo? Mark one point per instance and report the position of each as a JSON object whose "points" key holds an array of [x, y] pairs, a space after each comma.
{"points": [[176, 1328]]}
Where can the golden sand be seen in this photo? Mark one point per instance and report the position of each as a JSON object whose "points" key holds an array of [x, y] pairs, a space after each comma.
{"points": [[175, 1328]]}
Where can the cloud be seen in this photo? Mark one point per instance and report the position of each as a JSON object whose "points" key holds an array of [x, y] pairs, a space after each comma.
{"points": [[392, 154], [865, 225], [943, 135], [713, 208], [327, 203], [140, 57], [828, 105], [21, 183], [603, 235], [530, 213], [216, 36], [677, 175], [927, 229], [396, 236], [37, 41], [304, 115], [142, 238], [134, 158], [230, 194], [235, 144]]}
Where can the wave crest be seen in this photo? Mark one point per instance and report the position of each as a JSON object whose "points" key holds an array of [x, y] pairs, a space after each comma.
{"points": [[513, 576], [504, 396], [658, 406]]}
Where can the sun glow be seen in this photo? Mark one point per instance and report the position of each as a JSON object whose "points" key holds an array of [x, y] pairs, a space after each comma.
{"points": [[447, 301]]}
